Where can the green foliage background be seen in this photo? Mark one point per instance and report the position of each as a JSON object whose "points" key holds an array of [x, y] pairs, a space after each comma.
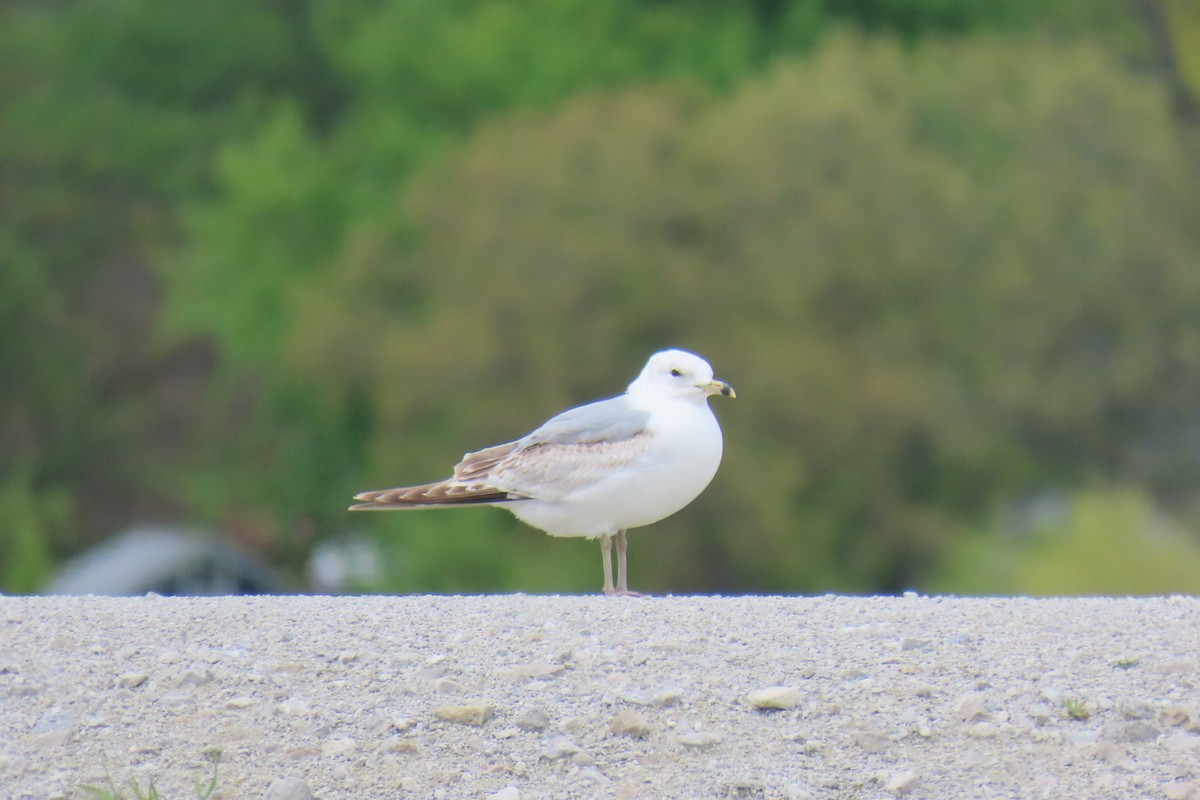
{"points": [[255, 256]]}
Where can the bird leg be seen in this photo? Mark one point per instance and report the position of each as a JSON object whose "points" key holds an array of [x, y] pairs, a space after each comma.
{"points": [[606, 541], [622, 572], [621, 589]]}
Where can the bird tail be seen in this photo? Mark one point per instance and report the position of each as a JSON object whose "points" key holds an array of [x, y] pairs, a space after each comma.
{"points": [[431, 495]]}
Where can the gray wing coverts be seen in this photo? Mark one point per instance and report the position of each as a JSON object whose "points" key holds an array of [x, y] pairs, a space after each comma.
{"points": [[612, 420]]}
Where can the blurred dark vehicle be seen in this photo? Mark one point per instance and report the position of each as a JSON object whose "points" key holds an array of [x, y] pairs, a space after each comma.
{"points": [[167, 561]]}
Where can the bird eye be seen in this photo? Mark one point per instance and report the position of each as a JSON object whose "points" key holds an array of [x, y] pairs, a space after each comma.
{"points": [[675, 373]]}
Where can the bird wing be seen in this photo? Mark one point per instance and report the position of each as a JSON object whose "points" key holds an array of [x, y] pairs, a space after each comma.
{"points": [[571, 451]]}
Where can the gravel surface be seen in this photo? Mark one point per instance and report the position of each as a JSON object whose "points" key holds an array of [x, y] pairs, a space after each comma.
{"points": [[518, 697]]}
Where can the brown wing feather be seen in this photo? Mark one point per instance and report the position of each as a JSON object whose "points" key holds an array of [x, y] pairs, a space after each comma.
{"points": [[468, 486], [546, 471]]}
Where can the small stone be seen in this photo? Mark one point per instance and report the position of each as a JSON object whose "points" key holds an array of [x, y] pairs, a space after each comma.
{"points": [[195, 675], [1138, 710], [54, 719], [667, 697], [982, 730], [629, 723], [1182, 791], [1180, 717], [535, 720], [239, 702], [559, 747], [1178, 666], [132, 680], [23, 687], [901, 783], [907, 644], [1129, 732], [1082, 738], [775, 697], [288, 789], [872, 741], [396, 744], [699, 739], [1182, 743], [445, 685], [596, 776], [536, 669], [339, 746], [292, 706], [175, 698], [466, 715], [1116, 755], [507, 793], [55, 738], [970, 707]]}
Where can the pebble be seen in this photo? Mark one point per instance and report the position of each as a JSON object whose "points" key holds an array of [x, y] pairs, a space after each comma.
{"points": [[196, 675], [1130, 732], [1181, 716], [476, 715], [55, 738], [1182, 743], [536, 669], [664, 699], [982, 730], [775, 697], [559, 747], [339, 746], [132, 680], [628, 722], [1182, 791], [872, 741], [396, 744], [240, 702], [700, 739], [901, 783], [292, 706], [970, 707], [507, 793], [534, 720], [288, 789], [595, 775]]}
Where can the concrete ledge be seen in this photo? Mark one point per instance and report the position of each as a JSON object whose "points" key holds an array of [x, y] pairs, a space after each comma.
{"points": [[592, 697]]}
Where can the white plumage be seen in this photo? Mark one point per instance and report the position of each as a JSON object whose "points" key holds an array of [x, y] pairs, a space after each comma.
{"points": [[599, 469]]}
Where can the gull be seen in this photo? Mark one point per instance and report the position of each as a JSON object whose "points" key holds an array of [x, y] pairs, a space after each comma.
{"points": [[597, 470]]}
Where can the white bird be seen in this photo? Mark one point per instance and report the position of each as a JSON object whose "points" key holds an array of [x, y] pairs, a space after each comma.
{"points": [[596, 470]]}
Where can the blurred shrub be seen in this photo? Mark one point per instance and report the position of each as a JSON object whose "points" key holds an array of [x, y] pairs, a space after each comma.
{"points": [[1108, 540], [32, 520]]}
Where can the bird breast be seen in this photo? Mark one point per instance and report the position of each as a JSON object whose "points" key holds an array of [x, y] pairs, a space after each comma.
{"points": [[681, 461]]}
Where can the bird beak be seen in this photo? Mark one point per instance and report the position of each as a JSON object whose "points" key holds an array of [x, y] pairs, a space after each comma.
{"points": [[718, 387]]}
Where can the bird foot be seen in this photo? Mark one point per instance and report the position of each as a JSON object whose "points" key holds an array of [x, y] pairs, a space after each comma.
{"points": [[623, 593]]}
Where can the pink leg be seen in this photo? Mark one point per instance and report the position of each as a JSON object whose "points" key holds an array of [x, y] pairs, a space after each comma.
{"points": [[606, 542]]}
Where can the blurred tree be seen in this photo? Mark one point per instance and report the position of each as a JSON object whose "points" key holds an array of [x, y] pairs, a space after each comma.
{"points": [[937, 276], [111, 112], [239, 163]]}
